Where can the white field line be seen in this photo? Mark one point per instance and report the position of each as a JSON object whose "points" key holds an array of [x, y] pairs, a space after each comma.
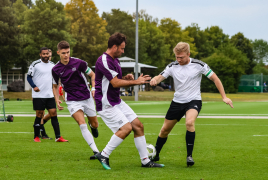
{"points": [[260, 135]]}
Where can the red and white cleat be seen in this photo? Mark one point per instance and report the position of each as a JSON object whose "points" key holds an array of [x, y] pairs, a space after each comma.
{"points": [[36, 139], [60, 139]]}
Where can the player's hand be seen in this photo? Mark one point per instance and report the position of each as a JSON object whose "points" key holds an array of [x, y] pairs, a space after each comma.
{"points": [[93, 93], [36, 89], [143, 79], [129, 77], [228, 102], [59, 106], [153, 82]]}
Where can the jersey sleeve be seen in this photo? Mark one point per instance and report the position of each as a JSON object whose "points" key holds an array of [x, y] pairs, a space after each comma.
{"points": [[82, 66], [167, 72], [207, 71], [31, 70], [107, 69], [55, 77]]}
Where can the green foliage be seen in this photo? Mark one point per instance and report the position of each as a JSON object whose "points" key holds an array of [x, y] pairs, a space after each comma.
{"points": [[28, 3], [245, 46], [8, 33], [173, 35], [88, 29], [121, 21], [260, 68], [260, 49], [229, 64], [216, 37]]}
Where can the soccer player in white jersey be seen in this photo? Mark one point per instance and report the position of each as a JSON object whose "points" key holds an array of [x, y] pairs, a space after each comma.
{"points": [[78, 97], [40, 78], [116, 114], [187, 74]]}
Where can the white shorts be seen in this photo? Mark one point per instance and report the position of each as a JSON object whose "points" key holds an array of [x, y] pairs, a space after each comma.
{"points": [[117, 116], [87, 106]]}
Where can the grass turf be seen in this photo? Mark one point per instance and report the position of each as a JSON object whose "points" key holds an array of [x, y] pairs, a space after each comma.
{"points": [[224, 149]]}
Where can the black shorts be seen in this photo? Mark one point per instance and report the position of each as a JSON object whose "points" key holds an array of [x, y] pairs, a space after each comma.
{"points": [[178, 110], [44, 103]]}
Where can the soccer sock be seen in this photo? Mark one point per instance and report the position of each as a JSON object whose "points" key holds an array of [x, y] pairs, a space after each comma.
{"points": [[45, 121], [190, 137], [140, 143], [159, 144], [37, 126], [88, 137], [42, 129], [56, 126], [112, 144]]}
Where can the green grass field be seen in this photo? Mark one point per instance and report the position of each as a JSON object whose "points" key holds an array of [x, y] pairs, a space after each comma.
{"points": [[224, 148]]}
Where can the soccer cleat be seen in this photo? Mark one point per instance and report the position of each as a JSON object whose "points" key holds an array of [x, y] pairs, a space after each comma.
{"points": [[152, 164], [45, 137], [94, 132], [190, 161], [103, 160], [36, 139], [60, 139], [156, 158], [93, 157]]}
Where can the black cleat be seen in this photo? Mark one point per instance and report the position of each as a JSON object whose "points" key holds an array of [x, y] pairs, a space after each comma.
{"points": [[45, 137], [190, 161], [103, 160], [93, 157], [152, 164], [156, 158], [94, 132]]}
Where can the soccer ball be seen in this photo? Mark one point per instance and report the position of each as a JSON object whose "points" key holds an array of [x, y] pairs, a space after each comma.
{"points": [[151, 151]]}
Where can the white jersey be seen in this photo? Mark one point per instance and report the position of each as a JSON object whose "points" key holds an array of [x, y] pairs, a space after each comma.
{"points": [[42, 78], [187, 79]]}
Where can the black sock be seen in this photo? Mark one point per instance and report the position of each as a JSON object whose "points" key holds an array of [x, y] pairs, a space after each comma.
{"points": [[56, 126], [45, 121], [43, 130], [37, 126], [190, 137], [159, 144]]}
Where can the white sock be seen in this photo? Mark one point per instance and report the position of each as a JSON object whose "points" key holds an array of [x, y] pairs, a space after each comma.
{"points": [[88, 137], [140, 143], [112, 144]]}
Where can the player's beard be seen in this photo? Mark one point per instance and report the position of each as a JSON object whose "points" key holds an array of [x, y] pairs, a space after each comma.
{"points": [[117, 54], [45, 59]]}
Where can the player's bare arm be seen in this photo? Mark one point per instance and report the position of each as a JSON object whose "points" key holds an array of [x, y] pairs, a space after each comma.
{"points": [[117, 83], [156, 80], [219, 86], [56, 95], [128, 77], [92, 77]]}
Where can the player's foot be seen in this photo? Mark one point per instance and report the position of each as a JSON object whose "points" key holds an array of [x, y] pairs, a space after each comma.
{"points": [[45, 137], [36, 139], [93, 156], [60, 139], [156, 158], [190, 161], [94, 132], [103, 160], [152, 164]]}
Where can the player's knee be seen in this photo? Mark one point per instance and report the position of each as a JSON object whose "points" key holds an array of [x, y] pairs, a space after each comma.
{"points": [[127, 128], [189, 124], [164, 132]]}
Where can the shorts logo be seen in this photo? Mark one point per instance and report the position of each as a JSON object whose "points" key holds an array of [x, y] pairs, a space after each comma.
{"points": [[196, 106], [72, 109], [74, 69], [120, 122]]}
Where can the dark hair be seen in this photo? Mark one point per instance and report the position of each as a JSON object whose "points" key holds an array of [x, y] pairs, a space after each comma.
{"points": [[116, 39], [63, 45], [43, 48]]}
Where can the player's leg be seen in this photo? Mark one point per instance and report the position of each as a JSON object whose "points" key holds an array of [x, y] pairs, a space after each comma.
{"points": [[90, 111], [51, 107], [44, 120], [80, 119], [140, 143], [193, 109], [93, 123], [39, 107]]}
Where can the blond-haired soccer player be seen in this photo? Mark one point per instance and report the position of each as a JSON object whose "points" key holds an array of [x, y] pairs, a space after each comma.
{"points": [[187, 74]]}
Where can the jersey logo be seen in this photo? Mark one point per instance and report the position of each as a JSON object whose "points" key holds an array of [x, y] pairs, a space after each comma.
{"points": [[74, 69], [61, 73]]}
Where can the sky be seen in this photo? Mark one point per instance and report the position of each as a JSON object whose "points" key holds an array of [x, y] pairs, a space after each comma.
{"points": [[249, 17]]}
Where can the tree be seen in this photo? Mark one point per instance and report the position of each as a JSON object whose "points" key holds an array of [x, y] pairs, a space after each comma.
{"points": [[260, 50], [88, 29], [121, 21], [8, 33], [216, 37], [201, 40], [173, 35], [28, 3], [245, 46], [45, 25], [229, 64]]}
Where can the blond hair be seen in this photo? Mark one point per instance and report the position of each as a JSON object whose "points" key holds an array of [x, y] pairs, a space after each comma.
{"points": [[181, 47]]}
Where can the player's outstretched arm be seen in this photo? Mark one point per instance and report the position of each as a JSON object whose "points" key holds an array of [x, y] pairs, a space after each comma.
{"points": [[56, 95], [220, 87], [117, 83], [156, 80], [92, 77], [128, 77]]}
